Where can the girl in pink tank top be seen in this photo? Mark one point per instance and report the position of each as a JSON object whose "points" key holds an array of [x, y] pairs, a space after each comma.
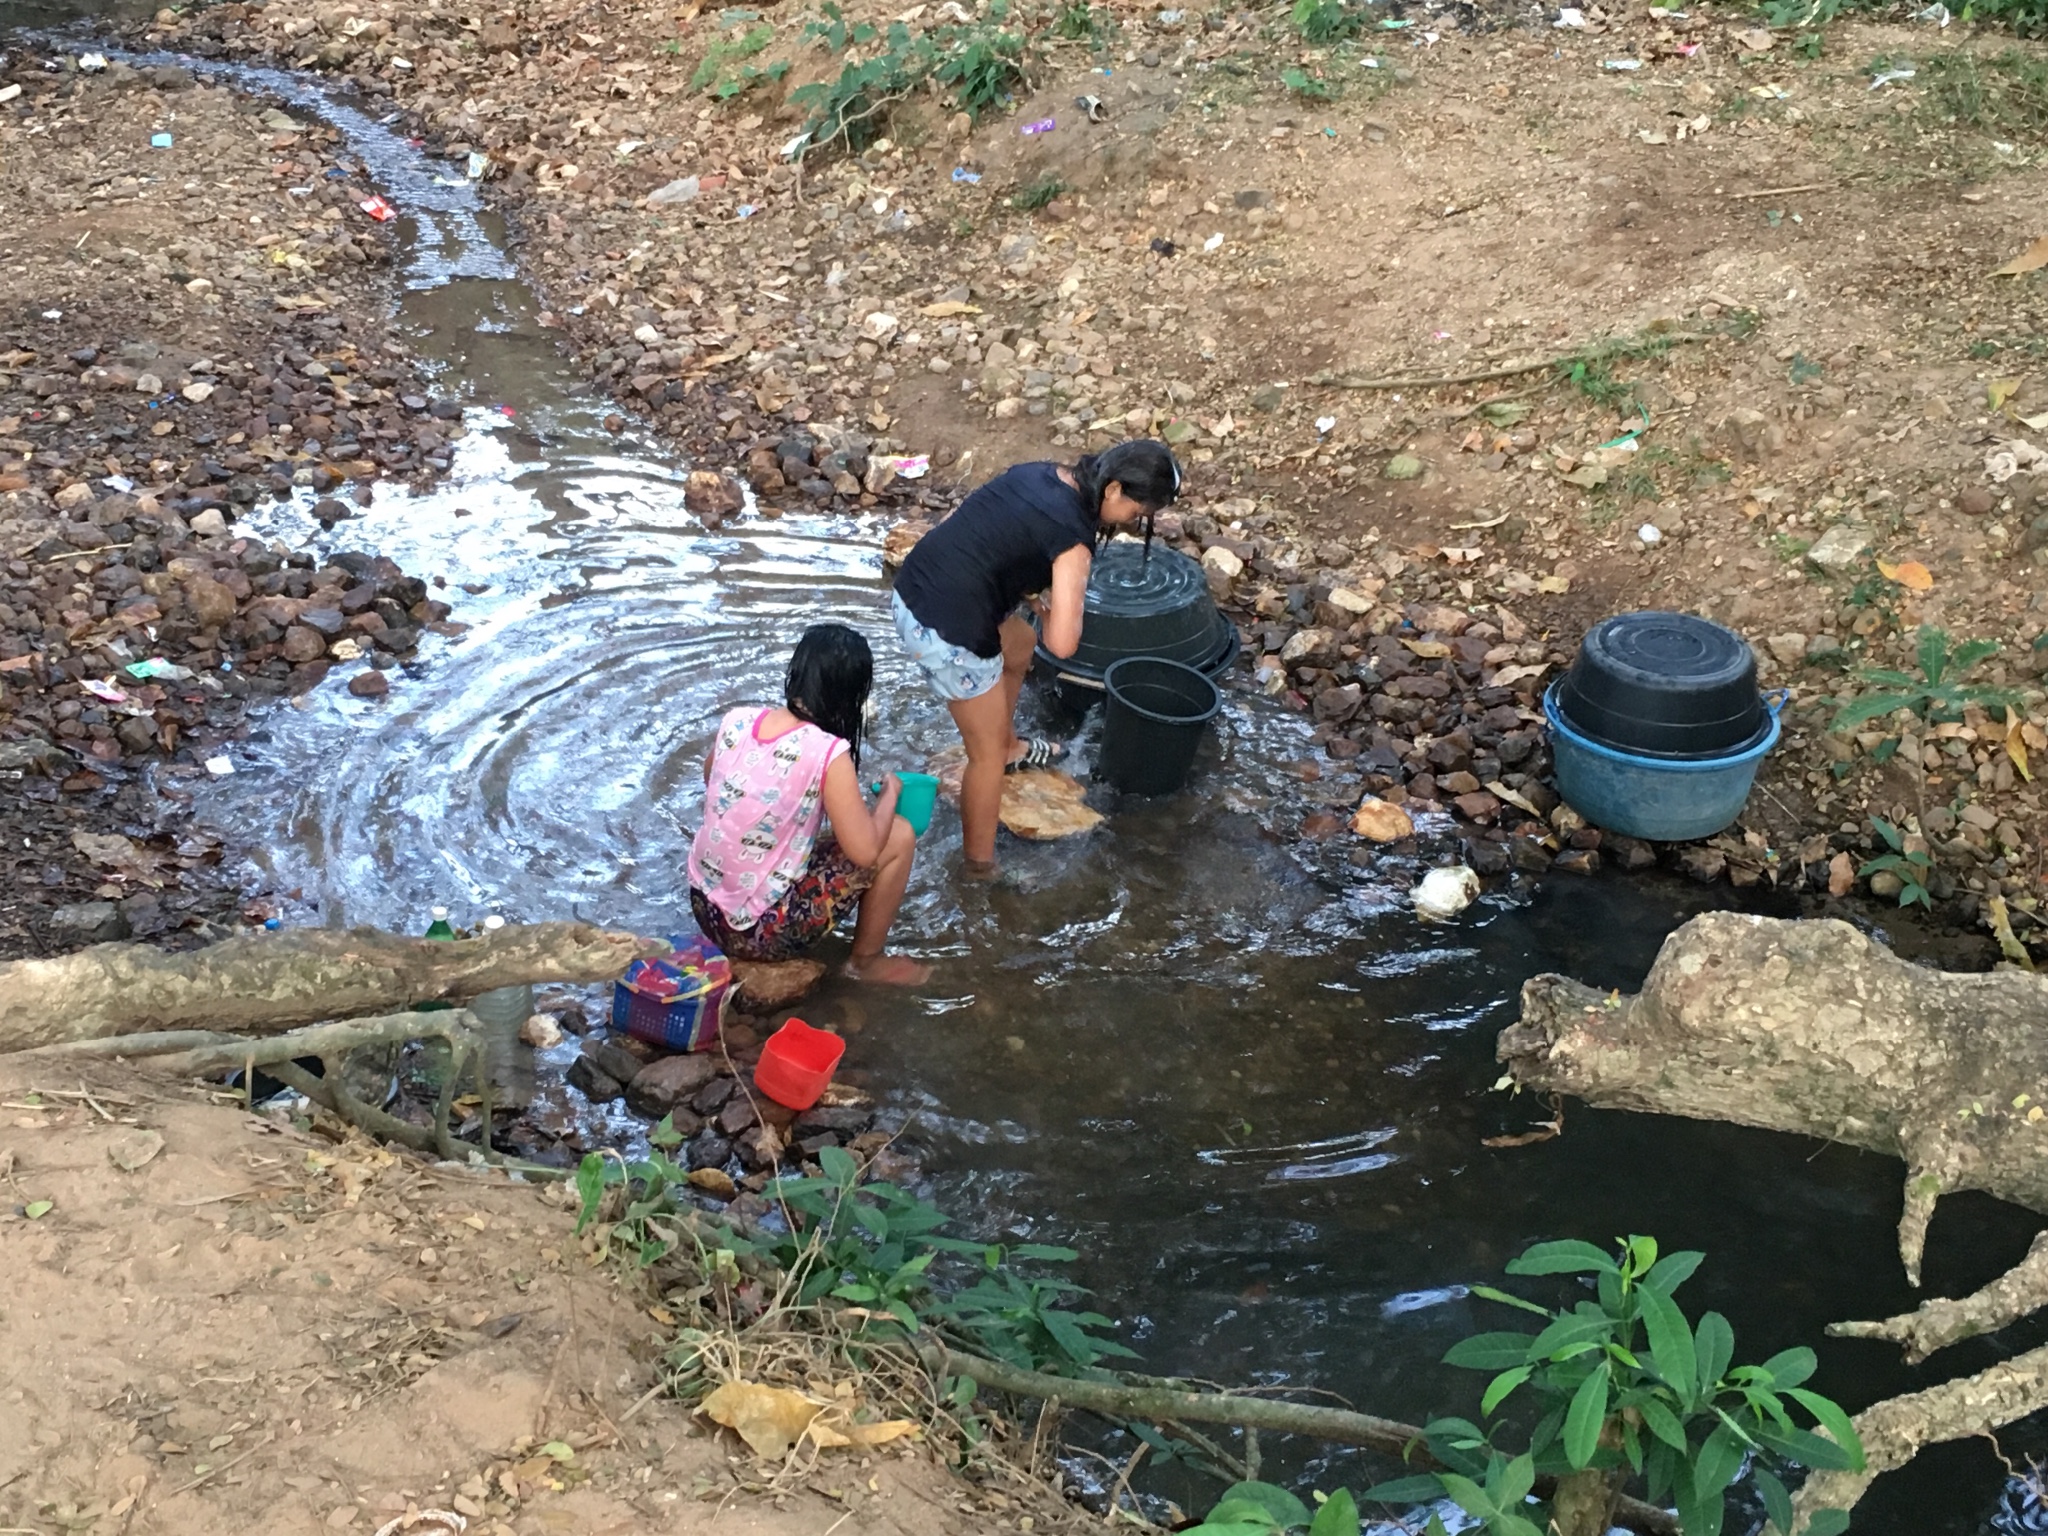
{"points": [[766, 880]]}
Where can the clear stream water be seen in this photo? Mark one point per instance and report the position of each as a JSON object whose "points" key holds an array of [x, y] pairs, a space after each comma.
{"points": [[1231, 1068]]}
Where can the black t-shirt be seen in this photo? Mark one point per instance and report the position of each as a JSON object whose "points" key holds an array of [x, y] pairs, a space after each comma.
{"points": [[969, 573]]}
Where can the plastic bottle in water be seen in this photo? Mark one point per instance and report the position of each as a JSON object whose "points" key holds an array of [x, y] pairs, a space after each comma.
{"points": [[508, 1060], [438, 928]]}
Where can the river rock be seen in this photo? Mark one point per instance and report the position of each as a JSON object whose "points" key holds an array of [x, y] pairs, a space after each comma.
{"points": [[1403, 466], [592, 1081], [615, 1057], [1382, 821], [369, 684], [713, 496], [212, 603], [765, 986], [664, 1085], [303, 643], [89, 922]]}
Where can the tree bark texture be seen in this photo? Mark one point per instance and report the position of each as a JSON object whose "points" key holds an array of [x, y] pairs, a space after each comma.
{"points": [[1810, 1027], [269, 982], [1894, 1430]]}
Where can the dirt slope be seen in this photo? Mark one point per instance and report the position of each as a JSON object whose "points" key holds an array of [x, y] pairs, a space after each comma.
{"points": [[260, 1330]]}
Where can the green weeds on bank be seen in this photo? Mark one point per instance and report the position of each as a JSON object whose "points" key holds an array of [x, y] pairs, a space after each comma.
{"points": [[874, 1247], [977, 67], [1939, 694]]}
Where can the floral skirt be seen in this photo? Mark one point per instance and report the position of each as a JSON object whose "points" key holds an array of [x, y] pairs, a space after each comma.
{"points": [[831, 881]]}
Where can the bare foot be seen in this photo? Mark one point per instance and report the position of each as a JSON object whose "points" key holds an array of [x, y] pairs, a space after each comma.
{"points": [[981, 871], [890, 970]]}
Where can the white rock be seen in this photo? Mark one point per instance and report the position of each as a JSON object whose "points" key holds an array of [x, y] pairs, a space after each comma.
{"points": [[208, 523], [1840, 547], [1444, 893], [682, 190], [879, 326], [1220, 562], [647, 336], [199, 392], [1349, 601]]}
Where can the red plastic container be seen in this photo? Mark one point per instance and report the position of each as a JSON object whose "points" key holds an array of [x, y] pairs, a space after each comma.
{"points": [[797, 1063]]}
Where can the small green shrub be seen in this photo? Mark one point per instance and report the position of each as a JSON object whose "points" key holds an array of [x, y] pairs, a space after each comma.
{"points": [[1300, 82], [726, 51], [1034, 197], [1325, 21], [979, 66], [1939, 694], [1911, 865]]}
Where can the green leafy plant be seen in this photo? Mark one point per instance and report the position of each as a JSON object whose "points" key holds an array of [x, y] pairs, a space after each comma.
{"points": [[1034, 197], [1325, 21], [1940, 693], [977, 65], [1266, 1509], [874, 1247], [1078, 22], [1913, 866], [1300, 82], [1628, 1387], [729, 50]]}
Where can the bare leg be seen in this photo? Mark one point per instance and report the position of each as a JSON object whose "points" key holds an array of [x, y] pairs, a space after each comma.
{"points": [[1019, 640], [985, 727], [878, 908]]}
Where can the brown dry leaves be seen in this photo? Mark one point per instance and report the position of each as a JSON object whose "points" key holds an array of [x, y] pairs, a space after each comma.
{"points": [[2032, 259], [773, 1419]]}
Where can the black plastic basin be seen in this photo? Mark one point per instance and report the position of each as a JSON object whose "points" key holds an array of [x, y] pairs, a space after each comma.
{"points": [[1670, 685], [1158, 607]]}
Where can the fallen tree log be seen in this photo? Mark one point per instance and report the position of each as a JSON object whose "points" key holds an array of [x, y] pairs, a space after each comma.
{"points": [[1941, 1322], [1810, 1027], [1156, 1401], [270, 982]]}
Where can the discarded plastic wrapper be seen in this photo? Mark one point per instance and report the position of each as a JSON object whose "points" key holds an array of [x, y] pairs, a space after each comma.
{"points": [[1391, 25], [159, 141], [1621, 63], [92, 63], [479, 165], [1092, 106], [107, 691], [912, 466], [795, 146], [1213, 243], [961, 173], [1043, 125], [1570, 18], [378, 209], [156, 666], [9, 92], [219, 767], [1907, 72], [1650, 533], [745, 211], [1326, 425], [1938, 14]]}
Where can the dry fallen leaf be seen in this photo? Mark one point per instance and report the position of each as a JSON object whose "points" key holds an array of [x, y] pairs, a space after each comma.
{"points": [[1841, 875], [1554, 584], [131, 1149], [1428, 650], [1910, 574], [946, 308], [2016, 743], [1998, 391], [772, 1419], [2032, 259], [1507, 677]]}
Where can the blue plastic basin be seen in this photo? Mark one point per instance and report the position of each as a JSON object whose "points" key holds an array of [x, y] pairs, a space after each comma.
{"points": [[1662, 799]]}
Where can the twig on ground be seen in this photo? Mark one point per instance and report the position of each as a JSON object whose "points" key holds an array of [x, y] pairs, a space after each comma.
{"points": [[1480, 376], [212, 1472], [1804, 186], [1123, 1482]]}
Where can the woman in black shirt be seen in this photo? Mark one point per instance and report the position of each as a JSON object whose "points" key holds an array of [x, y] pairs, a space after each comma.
{"points": [[1030, 531]]}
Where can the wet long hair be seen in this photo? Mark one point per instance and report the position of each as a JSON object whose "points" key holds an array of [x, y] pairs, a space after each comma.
{"points": [[1143, 466], [831, 673]]}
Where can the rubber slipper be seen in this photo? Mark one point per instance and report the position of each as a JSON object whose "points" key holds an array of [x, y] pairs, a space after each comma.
{"points": [[1038, 754]]}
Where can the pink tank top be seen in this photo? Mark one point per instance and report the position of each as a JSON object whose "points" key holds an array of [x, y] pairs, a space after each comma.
{"points": [[763, 805]]}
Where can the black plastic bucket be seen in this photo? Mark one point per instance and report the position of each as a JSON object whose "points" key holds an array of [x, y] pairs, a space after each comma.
{"points": [[1157, 712]]}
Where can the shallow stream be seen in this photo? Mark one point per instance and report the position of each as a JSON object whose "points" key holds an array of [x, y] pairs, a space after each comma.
{"points": [[1231, 1068]]}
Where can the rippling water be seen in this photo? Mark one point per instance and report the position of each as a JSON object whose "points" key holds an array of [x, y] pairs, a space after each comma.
{"points": [[1235, 1071]]}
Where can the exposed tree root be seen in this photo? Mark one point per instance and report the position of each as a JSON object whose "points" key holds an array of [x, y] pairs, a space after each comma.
{"points": [[1894, 1430], [269, 982], [1810, 1027], [1942, 1322]]}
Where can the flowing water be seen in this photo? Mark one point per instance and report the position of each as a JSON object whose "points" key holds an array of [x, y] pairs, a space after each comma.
{"points": [[1232, 1069]]}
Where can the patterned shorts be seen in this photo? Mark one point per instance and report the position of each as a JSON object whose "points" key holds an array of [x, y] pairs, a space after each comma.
{"points": [[954, 673], [806, 913]]}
